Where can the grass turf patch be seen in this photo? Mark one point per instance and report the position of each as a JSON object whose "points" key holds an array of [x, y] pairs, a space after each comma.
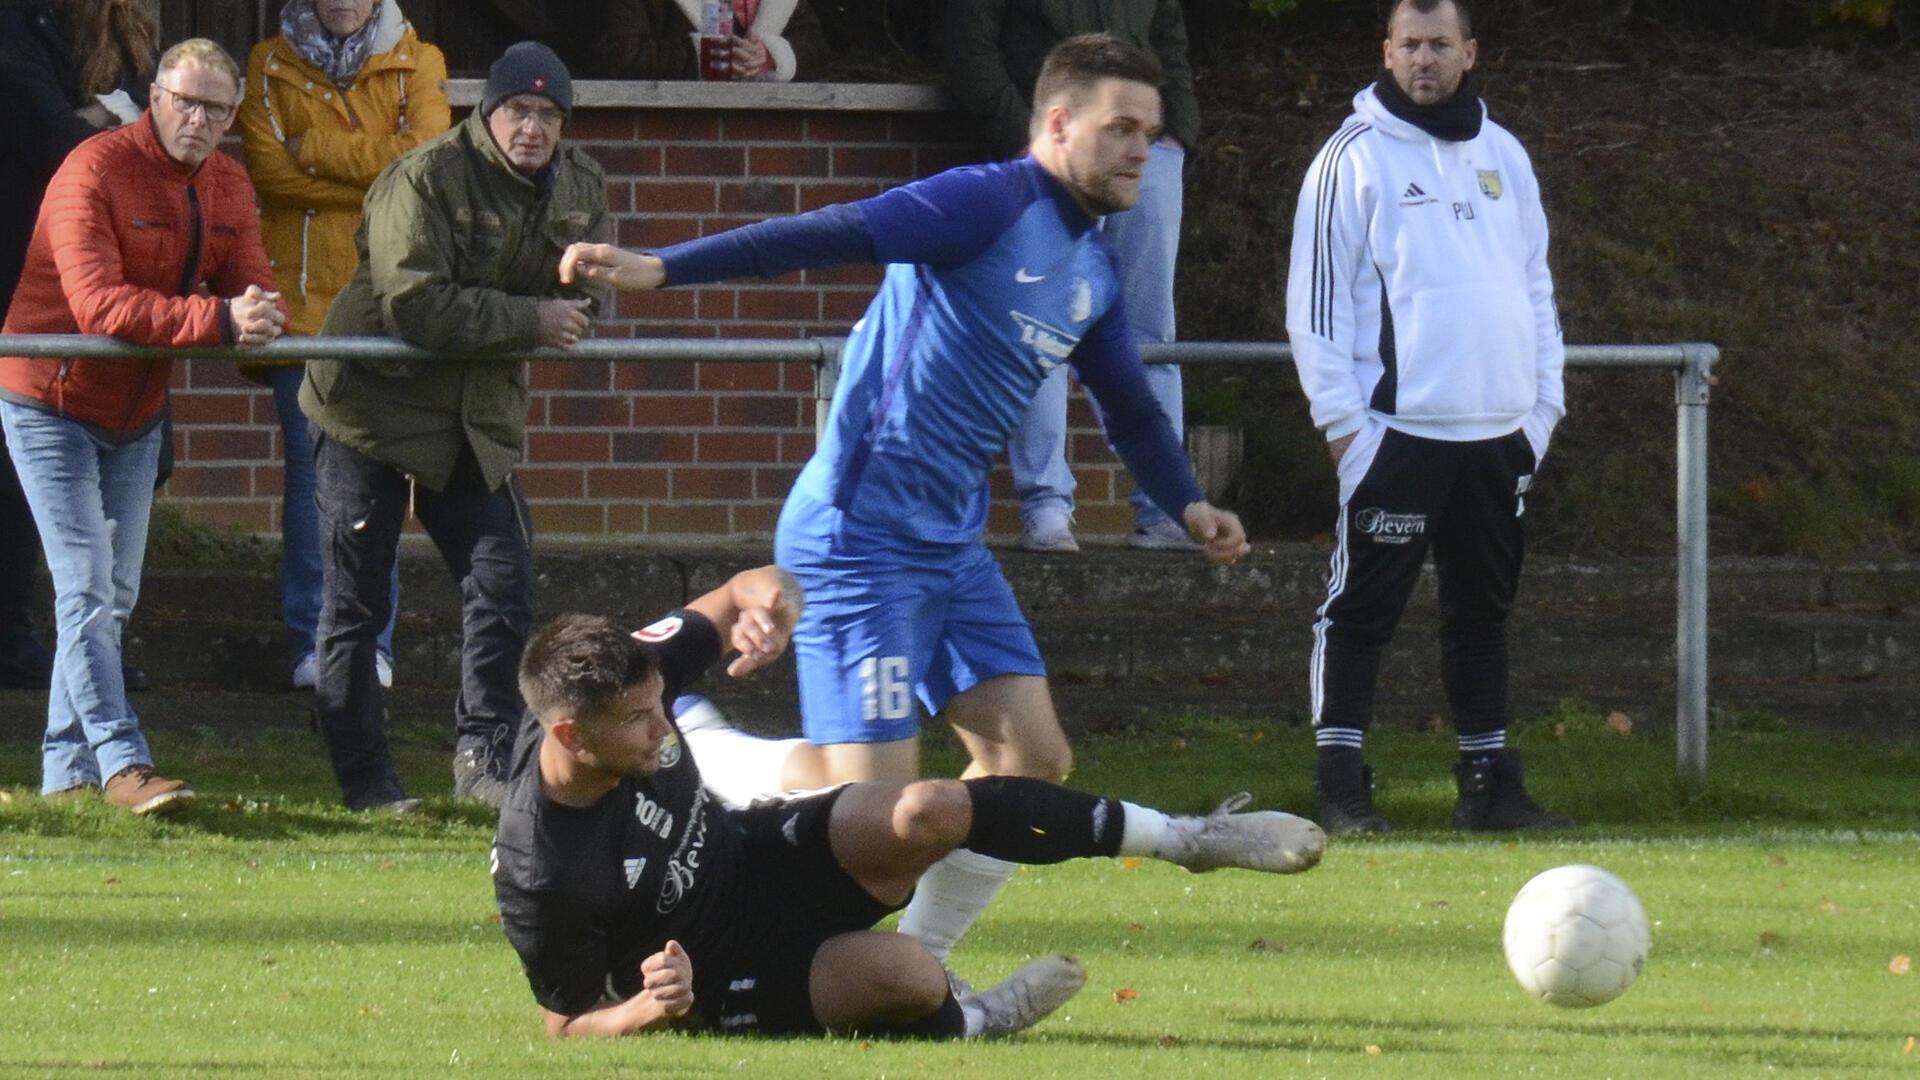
{"points": [[267, 933]]}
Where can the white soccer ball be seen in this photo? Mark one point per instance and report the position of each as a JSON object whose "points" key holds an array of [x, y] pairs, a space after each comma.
{"points": [[1576, 936]]}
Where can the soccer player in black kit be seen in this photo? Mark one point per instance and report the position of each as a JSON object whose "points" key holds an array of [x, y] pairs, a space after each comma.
{"points": [[637, 901]]}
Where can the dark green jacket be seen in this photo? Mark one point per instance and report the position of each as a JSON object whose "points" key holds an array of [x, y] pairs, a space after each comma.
{"points": [[456, 249], [994, 49]]}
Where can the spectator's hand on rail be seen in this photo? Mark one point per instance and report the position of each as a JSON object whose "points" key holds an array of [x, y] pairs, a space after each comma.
{"points": [[563, 323], [257, 319], [610, 265], [1221, 537]]}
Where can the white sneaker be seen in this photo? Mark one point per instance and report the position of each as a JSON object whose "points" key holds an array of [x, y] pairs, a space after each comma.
{"points": [[306, 672], [1048, 530], [1162, 535], [383, 670], [1264, 840], [1027, 995]]}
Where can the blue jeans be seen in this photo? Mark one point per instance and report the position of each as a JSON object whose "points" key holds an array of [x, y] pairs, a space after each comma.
{"points": [[92, 500], [1145, 242], [300, 577]]}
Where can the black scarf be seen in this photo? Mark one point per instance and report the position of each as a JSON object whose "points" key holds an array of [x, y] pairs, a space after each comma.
{"points": [[1456, 119]]}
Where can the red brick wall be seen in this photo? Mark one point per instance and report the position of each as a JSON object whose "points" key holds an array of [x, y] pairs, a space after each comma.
{"points": [[703, 449]]}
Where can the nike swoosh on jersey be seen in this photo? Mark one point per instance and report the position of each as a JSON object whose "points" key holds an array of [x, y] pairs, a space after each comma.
{"points": [[1025, 278]]}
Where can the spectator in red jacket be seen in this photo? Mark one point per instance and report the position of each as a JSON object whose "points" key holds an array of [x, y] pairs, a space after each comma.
{"points": [[68, 68], [148, 235]]}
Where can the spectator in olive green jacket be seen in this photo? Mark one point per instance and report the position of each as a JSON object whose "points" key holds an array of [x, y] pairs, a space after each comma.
{"points": [[459, 254]]}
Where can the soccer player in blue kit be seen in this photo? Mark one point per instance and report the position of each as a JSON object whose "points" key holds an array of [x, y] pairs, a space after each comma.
{"points": [[996, 274]]}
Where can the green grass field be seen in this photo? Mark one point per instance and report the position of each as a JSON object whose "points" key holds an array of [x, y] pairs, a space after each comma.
{"points": [[268, 934]]}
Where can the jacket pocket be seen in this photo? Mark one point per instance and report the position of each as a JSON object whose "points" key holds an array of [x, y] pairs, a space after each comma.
{"points": [[568, 228], [329, 378], [482, 241], [153, 253]]}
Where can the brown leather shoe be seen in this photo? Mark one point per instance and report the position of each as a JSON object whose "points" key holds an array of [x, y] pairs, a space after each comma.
{"points": [[139, 789]]}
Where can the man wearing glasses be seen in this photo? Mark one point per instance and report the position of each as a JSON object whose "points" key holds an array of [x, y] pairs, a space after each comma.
{"points": [[149, 236], [459, 253]]}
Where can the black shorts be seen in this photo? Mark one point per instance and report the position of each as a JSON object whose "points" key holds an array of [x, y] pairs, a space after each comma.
{"points": [[802, 897]]}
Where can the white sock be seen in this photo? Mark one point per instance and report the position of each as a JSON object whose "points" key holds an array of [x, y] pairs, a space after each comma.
{"points": [[975, 1015], [735, 766], [1143, 830], [950, 896]]}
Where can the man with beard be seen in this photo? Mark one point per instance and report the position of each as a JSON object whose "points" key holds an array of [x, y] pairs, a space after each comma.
{"points": [[1421, 313], [996, 275]]}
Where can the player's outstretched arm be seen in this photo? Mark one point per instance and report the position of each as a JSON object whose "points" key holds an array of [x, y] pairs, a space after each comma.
{"points": [[755, 611], [608, 264], [1218, 532], [665, 996]]}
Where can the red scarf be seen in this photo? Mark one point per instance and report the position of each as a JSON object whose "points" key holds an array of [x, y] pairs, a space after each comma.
{"points": [[743, 13]]}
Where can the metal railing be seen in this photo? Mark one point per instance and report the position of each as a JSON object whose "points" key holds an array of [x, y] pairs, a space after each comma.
{"points": [[1691, 364]]}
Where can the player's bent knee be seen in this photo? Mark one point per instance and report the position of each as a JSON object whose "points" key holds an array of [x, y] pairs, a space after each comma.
{"points": [[1048, 758], [933, 815], [915, 985]]}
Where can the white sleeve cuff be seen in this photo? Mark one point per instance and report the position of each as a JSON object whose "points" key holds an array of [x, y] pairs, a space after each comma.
{"points": [[1539, 427], [1346, 426], [120, 104], [784, 62]]}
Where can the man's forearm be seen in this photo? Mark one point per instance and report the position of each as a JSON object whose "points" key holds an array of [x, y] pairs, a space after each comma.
{"points": [[639, 1013]]}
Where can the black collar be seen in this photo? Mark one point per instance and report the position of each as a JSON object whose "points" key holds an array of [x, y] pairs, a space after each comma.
{"points": [[1456, 119]]}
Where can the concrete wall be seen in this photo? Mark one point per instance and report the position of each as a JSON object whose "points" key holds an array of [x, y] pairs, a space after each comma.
{"points": [[673, 449]]}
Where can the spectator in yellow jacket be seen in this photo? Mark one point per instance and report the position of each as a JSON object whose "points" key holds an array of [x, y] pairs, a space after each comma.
{"points": [[344, 89]]}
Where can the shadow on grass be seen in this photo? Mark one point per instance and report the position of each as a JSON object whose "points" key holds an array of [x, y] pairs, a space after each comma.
{"points": [[212, 934], [1304, 1043], [235, 818], [1597, 1029]]}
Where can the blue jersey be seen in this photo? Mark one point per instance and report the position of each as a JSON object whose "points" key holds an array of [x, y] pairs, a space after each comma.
{"points": [[995, 276]]}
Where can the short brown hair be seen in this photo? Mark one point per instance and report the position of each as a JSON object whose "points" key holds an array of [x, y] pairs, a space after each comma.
{"points": [[1428, 7], [580, 664], [1076, 66]]}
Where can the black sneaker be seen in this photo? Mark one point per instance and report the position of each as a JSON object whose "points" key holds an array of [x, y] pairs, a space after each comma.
{"points": [[1493, 797], [474, 775], [1345, 787], [385, 798]]}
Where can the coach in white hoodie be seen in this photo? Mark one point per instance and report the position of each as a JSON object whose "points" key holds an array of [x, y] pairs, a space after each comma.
{"points": [[1421, 314]]}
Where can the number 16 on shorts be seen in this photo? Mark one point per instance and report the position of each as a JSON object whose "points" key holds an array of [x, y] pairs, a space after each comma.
{"points": [[885, 691]]}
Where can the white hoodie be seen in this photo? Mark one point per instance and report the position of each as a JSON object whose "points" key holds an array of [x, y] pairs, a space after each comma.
{"points": [[1466, 344]]}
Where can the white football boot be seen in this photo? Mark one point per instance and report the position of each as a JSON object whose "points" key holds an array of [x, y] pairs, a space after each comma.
{"points": [[1269, 841], [1027, 996]]}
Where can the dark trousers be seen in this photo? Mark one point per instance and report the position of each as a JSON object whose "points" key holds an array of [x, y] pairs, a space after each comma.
{"points": [[486, 540], [19, 557], [1461, 500]]}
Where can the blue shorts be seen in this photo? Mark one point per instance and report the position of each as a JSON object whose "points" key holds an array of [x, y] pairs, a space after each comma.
{"points": [[890, 618]]}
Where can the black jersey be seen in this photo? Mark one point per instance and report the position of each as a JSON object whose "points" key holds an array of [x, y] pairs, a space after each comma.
{"points": [[586, 894]]}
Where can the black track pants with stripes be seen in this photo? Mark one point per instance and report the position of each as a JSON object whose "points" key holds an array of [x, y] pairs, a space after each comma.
{"points": [[1461, 500]]}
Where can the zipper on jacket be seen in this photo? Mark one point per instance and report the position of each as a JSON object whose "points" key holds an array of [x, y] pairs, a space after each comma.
{"points": [[189, 276], [190, 273], [306, 226]]}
